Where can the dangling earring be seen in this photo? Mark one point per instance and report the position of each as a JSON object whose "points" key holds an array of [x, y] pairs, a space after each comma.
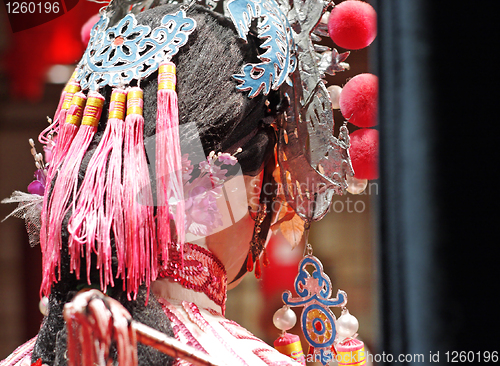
{"points": [[263, 220], [329, 338], [257, 243]]}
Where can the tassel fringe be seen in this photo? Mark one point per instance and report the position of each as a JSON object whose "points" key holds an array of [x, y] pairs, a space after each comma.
{"points": [[64, 188], [113, 214], [56, 121], [84, 225], [140, 239], [68, 130], [169, 162], [115, 198]]}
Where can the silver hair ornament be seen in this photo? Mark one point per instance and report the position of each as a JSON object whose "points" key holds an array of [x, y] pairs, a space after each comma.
{"points": [[129, 51], [314, 164]]}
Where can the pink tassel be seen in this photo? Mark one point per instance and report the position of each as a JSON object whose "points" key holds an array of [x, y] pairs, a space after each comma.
{"points": [[65, 124], [68, 130], [42, 137], [85, 223], [69, 91], [67, 133], [71, 88], [140, 240], [168, 161], [113, 214], [64, 189]]}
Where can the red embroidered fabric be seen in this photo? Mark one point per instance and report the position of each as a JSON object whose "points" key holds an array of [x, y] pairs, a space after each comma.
{"points": [[265, 355], [223, 339], [237, 331], [20, 354], [197, 318], [202, 272], [181, 332]]}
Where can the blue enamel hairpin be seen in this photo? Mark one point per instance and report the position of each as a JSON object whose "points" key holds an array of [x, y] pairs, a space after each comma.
{"points": [[127, 51]]}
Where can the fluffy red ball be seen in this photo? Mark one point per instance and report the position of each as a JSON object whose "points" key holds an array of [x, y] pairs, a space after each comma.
{"points": [[364, 153], [359, 100], [353, 24]]}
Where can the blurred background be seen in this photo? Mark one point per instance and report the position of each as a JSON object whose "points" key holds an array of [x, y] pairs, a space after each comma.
{"points": [[34, 66]]}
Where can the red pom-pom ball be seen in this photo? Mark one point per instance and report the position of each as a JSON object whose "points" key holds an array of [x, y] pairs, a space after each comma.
{"points": [[364, 153], [87, 27], [353, 24], [359, 100]]}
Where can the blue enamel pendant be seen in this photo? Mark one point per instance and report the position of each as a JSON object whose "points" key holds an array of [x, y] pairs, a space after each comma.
{"points": [[314, 289]]}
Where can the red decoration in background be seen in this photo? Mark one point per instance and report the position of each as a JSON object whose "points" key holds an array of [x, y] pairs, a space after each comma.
{"points": [[353, 24], [280, 275], [364, 153], [359, 100], [33, 51], [87, 27]]}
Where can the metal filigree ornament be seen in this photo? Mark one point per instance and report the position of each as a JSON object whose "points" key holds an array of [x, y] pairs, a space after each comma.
{"points": [[318, 322], [129, 51], [279, 59], [314, 164]]}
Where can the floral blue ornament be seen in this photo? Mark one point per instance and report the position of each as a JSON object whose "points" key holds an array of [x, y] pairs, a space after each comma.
{"points": [[120, 42], [129, 51]]}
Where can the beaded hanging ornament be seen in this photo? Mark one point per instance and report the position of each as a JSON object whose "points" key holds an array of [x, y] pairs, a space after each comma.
{"points": [[329, 338]]}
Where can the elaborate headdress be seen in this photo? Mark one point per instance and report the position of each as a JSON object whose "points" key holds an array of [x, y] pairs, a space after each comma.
{"points": [[109, 203], [116, 201]]}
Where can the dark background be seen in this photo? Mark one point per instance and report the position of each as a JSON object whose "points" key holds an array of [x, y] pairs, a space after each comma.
{"points": [[439, 206]]}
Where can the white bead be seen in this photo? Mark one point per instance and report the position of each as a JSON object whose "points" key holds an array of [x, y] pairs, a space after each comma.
{"points": [[356, 186], [347, 325], [284, 318], [325, 17], [334, 91], [43, 305]]}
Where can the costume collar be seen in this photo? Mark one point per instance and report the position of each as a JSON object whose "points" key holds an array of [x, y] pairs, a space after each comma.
{"points": [[201, 271]]}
